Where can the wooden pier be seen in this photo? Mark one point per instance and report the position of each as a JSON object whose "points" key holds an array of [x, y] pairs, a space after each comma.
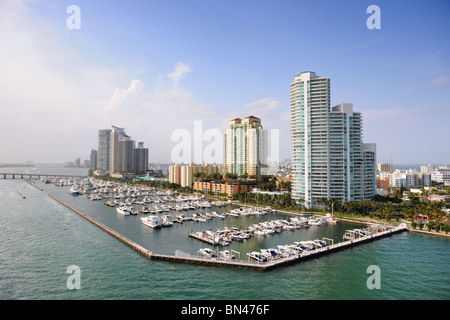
{"points": [[242, 264]]}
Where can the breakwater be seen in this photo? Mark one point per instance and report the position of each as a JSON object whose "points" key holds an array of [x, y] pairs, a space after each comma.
{"points": [[112, 232]]}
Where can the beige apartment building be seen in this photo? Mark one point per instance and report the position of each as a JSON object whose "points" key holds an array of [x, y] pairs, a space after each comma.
{"points": [[245, 146], [220, 188], [184, 175]]}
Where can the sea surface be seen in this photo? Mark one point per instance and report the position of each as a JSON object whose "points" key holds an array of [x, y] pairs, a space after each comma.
{"points": [[40, 239]]}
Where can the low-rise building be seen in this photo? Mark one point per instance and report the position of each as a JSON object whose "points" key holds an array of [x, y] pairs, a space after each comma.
{"points": [[228, 187], [184, 175]]}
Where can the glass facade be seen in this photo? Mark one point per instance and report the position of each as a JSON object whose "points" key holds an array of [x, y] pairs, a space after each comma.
{"points": [[327, 149]]}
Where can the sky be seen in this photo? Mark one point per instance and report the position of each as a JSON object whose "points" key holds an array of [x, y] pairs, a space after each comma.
{"points": [[156, 67]]}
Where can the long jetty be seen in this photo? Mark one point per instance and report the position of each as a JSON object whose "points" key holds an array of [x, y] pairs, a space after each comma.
{"points": [[15, 175], [242, 264], [112, 232]]}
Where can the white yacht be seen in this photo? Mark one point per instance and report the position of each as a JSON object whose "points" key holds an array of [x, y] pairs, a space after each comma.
{"points": [[123, 210], [270, 253], [226, 254], [320, 243], [74, 190], [152, 221], [255, 255], [207, 252]]}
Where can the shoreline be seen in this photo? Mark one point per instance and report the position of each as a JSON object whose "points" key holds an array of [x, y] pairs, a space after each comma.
{"points": [[366, 220]]}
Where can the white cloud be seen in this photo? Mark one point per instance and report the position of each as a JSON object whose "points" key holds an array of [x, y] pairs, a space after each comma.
{"points": [[168, 100], [179, 72]]}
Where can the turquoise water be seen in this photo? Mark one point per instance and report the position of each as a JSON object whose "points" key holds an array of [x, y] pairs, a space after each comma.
{"points": [[40, 239]]}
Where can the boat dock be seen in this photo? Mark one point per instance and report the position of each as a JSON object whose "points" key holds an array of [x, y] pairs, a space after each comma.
{"points": [[207, 238], [33, 184], [236, 263]]}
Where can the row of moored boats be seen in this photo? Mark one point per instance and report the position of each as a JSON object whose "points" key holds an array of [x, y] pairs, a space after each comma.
{"points": [[269, 254]]}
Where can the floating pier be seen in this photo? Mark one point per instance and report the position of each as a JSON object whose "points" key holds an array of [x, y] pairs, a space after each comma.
{"points": [[242, 264]]}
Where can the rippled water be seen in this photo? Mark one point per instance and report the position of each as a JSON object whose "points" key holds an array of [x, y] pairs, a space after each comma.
{"points": [[40, 238]]}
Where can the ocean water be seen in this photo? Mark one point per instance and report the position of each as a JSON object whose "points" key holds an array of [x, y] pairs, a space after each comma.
{"points": [[40, 239]]}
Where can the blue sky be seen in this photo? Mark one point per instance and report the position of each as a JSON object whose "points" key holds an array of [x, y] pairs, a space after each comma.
{"points": [[157, 66]]}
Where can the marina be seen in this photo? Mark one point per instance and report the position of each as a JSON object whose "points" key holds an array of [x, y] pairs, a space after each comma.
{"points": [[42, 248], [264, 260]]}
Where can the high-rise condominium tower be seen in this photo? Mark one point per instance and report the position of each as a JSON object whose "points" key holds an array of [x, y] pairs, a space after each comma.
{"points": [[121, 150], [103, 149], [245, 149], [310, 105], [330, 160]]}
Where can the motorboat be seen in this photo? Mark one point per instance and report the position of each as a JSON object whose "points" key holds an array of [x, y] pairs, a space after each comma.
{"points": [[219, 216], [74, 190], [239, 236], [207, 252], [123, 210], [144, 209], [304, 246], [234, 215], [259, 232], [287, 250], [313, 244], [180, 218], [166, 221], [226, 254], [255, 255], [152, 221], [270, 253], [321, 243]]}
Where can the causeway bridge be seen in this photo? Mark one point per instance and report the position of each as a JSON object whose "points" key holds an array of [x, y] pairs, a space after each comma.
{"points": [[12, 175]]}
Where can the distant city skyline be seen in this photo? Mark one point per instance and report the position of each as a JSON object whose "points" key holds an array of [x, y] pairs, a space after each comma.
{"points": [[152, 67]]}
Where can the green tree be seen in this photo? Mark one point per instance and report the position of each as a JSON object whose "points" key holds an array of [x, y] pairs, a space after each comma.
{"points": [[446, 228]]}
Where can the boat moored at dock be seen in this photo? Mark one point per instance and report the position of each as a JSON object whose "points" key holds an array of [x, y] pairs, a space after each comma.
{"points": [[124, 210], [207, 252], [152, 221]]}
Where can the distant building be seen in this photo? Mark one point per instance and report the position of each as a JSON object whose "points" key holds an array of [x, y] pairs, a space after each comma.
{"points": [[141, 158], [93, 159], [184, 175], [406, 178], [383, 183], [427, 169], [103, 151], [218, 188], [245, 146], [120, 143], [385, 167], [124, 157], [441, 174]]}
